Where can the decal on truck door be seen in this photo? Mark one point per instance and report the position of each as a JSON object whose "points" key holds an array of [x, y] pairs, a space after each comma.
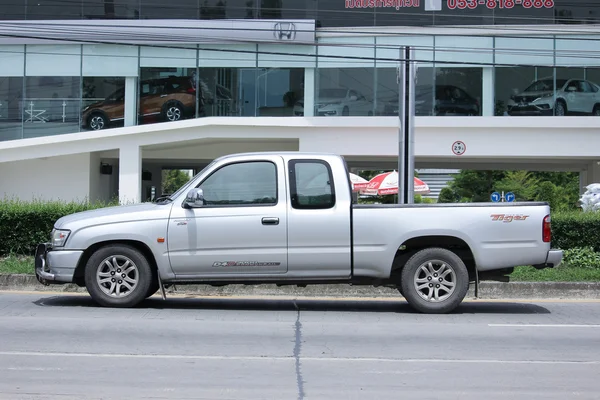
{"points": [[244, 264]]}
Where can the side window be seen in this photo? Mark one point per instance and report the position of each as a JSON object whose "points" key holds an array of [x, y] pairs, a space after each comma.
{"points": [[247, 183], [311, 185]]}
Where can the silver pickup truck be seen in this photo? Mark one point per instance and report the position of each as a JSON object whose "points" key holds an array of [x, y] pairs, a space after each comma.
{"points": [[290, 219]]}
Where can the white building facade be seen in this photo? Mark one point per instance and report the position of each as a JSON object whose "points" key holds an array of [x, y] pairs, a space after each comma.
{"points": [[95, 109]]}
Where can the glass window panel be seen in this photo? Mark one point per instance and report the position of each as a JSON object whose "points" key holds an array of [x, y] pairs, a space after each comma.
{"points": [[103, 102], [181, 9], [111, 9], [575, 95], [248, 183], [166, 94], [575, 12], [388, 52], [13, 9], [312, 187], [345, 92], [13, 60], [279, 91], [347, 52], [461, 12], [524, 51], [162, 55], [54, 9], [52, 105], [524, 12], [524, 91], [458, 91], [577, 51], [217, 9], [410, 15], [220, 89], [11, 93], [110, 60], [53, 60], [464, 50], [340, 13], [281, 56], [227, 55], [288, 9], [386, 95]]}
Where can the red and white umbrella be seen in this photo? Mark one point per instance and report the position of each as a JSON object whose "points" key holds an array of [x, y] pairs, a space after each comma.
{"points": [[387, 183], [358, 182]]}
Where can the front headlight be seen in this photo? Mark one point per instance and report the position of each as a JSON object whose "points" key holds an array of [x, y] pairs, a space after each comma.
{"points": [[59, 237]]}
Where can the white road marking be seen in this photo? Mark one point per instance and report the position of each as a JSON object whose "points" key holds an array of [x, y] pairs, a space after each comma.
{"points": [[545, 325], [31, 369], [291, 358]]}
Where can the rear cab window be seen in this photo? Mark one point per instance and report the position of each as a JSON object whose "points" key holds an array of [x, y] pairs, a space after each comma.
{"points": [[311, 185]]}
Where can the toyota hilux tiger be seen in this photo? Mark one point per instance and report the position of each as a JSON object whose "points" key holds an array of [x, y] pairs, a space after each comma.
{"points": [[290, 219]]}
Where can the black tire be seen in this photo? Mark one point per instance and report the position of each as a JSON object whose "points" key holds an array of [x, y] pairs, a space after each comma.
{"points": [[438, 257], [346, 111], [125, 256], [560, 104], [596, 110]]}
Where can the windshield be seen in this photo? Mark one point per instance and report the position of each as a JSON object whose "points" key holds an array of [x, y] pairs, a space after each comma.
{"points": [[332, 93], [545, 85]]}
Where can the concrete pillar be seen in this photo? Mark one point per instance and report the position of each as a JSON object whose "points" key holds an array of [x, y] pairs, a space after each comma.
{"points": [[590, 175], [130, 174], [309, 92], [131, 95], [487, 92]]}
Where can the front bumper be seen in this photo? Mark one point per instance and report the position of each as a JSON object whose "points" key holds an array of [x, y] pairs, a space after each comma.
{"points": [[553, 259], [55, 266]]}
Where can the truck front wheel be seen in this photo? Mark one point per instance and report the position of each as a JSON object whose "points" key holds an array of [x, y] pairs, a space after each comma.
{"points": [[118, 276], [434, 281]]}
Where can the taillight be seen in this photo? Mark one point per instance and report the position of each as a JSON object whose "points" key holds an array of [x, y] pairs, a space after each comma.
{"points": [[546, 229], [191, 90]]}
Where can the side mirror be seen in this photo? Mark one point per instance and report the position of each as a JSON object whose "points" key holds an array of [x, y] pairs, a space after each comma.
{"points": [[353, 98], [194, 198], [571, 89]]}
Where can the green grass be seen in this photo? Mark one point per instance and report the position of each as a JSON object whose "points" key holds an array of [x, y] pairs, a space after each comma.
{"points": [[24, 265], [16, 265], [560, 274]]}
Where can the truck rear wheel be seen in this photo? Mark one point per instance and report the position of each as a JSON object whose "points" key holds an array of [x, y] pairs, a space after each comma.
{"points": [[434, 281], [118, 276]]}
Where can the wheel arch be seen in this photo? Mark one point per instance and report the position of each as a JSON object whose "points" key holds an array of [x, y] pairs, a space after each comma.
{"points": [[453, 243], [79, 274]]}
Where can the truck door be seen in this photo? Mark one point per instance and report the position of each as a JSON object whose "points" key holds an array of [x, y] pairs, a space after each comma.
{"points": [[241, 229], [319, 240]]}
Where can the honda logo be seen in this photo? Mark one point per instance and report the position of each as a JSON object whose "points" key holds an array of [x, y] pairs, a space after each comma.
{"points": [[284, 31]]}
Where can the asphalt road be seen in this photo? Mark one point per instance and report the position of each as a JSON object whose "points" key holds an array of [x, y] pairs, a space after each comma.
{"points": [[61, 346]]}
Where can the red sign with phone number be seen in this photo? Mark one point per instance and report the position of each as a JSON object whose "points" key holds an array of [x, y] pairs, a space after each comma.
{"points": [[491, 4]]}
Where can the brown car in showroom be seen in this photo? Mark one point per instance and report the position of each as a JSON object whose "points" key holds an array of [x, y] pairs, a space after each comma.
{"points": [[166, 99]]}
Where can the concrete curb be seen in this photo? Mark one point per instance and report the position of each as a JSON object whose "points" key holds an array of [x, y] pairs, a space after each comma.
{"points": [[488, 290]]}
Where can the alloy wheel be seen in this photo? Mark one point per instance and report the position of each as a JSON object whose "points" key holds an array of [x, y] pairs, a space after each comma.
{"points": [[173, 113], [97, 123], [435, 281], [117, 276]]}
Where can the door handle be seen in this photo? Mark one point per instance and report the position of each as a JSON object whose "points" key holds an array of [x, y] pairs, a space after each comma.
{"points": [[270, 221]]}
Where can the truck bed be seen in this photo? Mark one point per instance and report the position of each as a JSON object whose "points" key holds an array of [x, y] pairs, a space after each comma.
{"points": [[510, 234]]}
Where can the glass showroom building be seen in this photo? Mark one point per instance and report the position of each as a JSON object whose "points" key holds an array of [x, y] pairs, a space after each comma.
{"points": [[70, 66]]}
